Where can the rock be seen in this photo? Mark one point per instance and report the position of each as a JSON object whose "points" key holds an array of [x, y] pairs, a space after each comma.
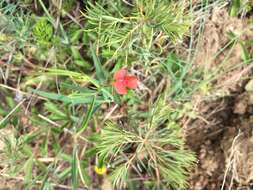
{"points": [[251, 99], [240, 108], [249, 86], [241, 104]]}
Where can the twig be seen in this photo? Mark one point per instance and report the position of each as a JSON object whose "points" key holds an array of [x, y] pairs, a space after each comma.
{"points": [[49, 120], [231, 160], [19, 91], [128, 3], [110, 113], [12, 111]]}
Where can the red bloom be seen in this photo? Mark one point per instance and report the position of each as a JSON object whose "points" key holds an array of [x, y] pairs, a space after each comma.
{"points": [[123, 82]]}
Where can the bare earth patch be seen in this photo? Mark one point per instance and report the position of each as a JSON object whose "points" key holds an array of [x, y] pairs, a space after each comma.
{"points": [[223, 139], [10, 184]]}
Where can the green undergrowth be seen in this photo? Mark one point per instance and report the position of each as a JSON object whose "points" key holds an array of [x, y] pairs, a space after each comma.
{"points": [[63, 126]]}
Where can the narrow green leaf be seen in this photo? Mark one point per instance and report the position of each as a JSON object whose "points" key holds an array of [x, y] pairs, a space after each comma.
{"points": [[80, 99], [10, 101], [107, 94], [75, 53], [99, 69], [65, 157], [91, 152], [244, 53], [28, 167], [44, 147], [3, 124], [44, 184], [27, 150], [87, 117], [74, 169], [84, 64], [84, 174], [76, 36], [47, 186], [64, 173], [78, 89], [78, 59], [54, 109], [235, 8], [42, 167], [77, 76]]}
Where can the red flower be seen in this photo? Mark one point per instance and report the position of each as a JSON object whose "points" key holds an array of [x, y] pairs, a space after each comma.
{"points": [[123, 82]]}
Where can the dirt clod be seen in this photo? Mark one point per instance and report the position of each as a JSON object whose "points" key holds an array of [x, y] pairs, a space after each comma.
{"points": [[241, 104], [217, 146]]}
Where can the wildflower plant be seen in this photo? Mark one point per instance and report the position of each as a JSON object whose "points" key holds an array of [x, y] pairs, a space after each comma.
{"points": [[152, 151], [43, 32], [139, 27]]}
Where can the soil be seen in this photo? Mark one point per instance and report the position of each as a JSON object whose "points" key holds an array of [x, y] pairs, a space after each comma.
{"points": [[216, 51], [222, 137], [223, 141], [10, 184]]}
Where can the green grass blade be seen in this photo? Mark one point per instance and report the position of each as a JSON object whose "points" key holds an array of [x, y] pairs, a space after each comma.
{"points": [[235, 8], [44, 183], [77, 99], [87, 117], [78, 89], [28, 167], [100, 73], [75, 75], [74, 169]]}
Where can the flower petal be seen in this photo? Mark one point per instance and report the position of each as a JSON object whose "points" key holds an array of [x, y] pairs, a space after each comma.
{"points": [[120, 87], [100, 170], [131, 82], [120, 74]]}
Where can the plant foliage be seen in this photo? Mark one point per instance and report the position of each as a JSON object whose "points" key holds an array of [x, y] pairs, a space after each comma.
{"points": [[154, 149]]}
